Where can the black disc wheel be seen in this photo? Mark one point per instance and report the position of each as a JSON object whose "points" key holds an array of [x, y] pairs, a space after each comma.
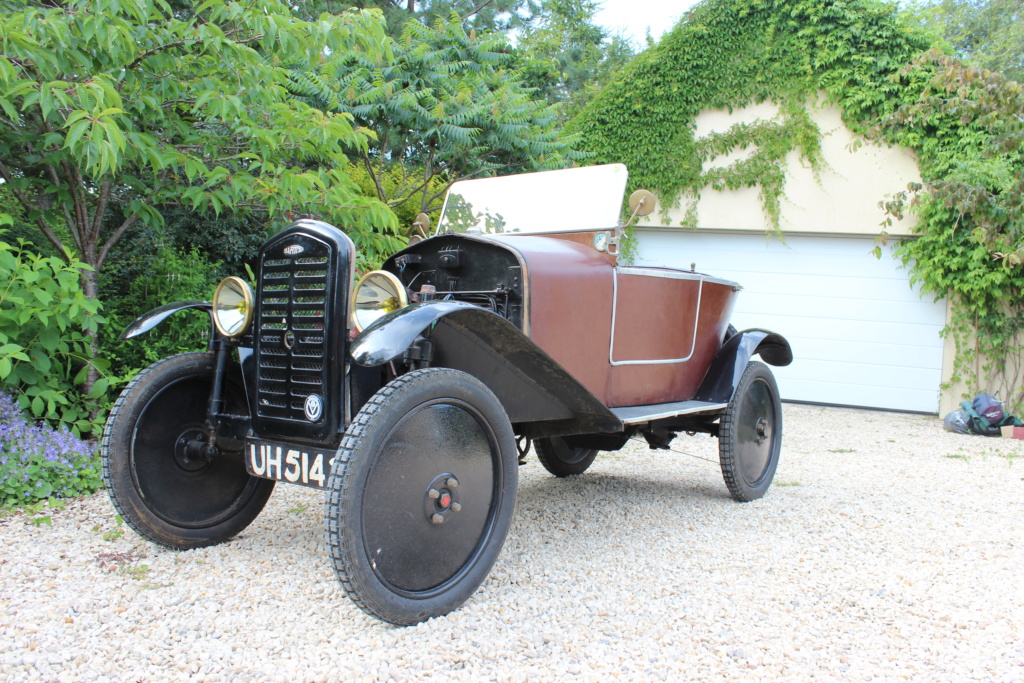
{"points": [[750, 434], [421, 495], [157, 478], [561, 459]]}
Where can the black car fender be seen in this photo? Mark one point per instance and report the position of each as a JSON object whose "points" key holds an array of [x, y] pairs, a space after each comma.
{"points": [[531, 385], [723, 375], [147, 321]]}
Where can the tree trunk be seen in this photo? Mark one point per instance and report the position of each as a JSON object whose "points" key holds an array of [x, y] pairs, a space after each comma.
{"points": [[90, 286]]}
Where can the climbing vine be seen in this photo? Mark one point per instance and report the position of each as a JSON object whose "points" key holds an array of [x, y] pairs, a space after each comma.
{"points": [[965, 126], [764, 167], [971, 210]]}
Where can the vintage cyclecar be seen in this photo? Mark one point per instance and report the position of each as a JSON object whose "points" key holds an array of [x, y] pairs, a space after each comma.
{"points": [[410, 395]]}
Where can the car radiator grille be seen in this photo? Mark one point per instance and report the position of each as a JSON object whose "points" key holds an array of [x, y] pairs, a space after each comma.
{"points": [[292, 328]]}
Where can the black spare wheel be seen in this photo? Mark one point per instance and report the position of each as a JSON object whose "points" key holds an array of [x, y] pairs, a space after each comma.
{"points": [[750, 434], [155, 466], [421, 495], [561, 459]]}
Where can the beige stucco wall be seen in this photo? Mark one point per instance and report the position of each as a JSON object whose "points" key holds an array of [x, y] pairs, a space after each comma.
{"points": [[842, 199]]}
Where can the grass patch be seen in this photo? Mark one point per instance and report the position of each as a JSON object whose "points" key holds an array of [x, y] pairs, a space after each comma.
{"points": [[115, 533]]}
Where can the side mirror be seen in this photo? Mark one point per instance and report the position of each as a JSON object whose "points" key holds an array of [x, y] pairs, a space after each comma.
{"points": [[641, 203]]}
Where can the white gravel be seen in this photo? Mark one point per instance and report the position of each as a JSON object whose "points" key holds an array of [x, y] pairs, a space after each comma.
{"points": [[887, 548]]}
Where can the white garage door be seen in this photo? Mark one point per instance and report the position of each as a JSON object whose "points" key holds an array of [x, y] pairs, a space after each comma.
{"points": [[860, 335]]}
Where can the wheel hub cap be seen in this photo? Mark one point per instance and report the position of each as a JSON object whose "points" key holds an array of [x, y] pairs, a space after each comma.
{"points": [[185, 452], [440, 499], [761, 429]]}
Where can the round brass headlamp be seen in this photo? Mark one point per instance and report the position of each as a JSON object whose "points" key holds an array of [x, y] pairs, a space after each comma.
{"points": [[233, 307], [375, 295]]}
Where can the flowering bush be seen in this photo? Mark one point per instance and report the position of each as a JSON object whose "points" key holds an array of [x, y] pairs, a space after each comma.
{"points": [[37, 462]]}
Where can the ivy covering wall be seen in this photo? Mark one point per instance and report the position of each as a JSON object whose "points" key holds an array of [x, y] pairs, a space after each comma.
{"points": [[964, 125]]}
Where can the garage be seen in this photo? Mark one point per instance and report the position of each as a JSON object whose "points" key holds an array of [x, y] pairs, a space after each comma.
{"points": [[861, 335]]}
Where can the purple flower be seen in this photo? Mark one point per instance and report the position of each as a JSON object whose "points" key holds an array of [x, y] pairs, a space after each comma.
{"points": [[38, 458]]}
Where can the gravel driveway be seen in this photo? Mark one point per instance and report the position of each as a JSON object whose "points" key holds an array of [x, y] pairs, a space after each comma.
{"points": [[887, 548]]}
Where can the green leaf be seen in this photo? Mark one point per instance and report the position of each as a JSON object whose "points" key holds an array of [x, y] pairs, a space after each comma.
{"points": [[49, 338], [99, 388]]}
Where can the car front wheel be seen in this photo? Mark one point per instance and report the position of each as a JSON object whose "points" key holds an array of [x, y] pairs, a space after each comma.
{"points": [[421, 495], [164, 492]]}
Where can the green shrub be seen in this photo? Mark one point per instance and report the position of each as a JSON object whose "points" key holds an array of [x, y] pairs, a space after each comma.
{"points": [[45, 348]]}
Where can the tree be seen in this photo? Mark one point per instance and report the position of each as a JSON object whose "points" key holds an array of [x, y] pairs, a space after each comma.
{"points": [[987, 33], [476, 15], [446, 106], [567, 57], [111, 110]]}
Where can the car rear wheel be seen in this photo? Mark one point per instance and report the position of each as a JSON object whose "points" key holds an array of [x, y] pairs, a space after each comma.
{"points": [[421, 495], [561, 459], [750, 434], [162, 491]]}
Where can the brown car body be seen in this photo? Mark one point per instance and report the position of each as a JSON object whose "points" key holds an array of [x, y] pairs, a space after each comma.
{"points": [[605, 326]]}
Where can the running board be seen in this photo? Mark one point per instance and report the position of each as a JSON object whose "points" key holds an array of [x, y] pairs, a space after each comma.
{"points": [[637, 414]]}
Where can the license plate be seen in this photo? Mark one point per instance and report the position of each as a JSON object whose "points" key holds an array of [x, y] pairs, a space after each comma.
{"points": [[286, 462]]}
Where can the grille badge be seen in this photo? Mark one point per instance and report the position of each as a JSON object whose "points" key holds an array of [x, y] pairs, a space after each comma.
{"points": [[293, 249], [313, 407]]}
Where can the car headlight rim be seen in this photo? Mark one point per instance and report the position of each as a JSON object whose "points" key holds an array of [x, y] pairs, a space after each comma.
{"points": [[367, 310], [233, 307]]}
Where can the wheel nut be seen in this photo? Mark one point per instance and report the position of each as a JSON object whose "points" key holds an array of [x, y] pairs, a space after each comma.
{"points": [[456, 507], [437, 518], [452, 482], [433, 494]]}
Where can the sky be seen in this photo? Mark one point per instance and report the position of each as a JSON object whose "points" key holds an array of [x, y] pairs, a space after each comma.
{"points": [[634, 16]]}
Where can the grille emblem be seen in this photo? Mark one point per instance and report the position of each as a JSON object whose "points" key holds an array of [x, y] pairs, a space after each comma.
{"points": [[293, 249], [313, 408], [289, 339]]}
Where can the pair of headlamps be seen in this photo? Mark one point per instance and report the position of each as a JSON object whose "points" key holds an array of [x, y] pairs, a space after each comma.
{"points": [[375, 295]]}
